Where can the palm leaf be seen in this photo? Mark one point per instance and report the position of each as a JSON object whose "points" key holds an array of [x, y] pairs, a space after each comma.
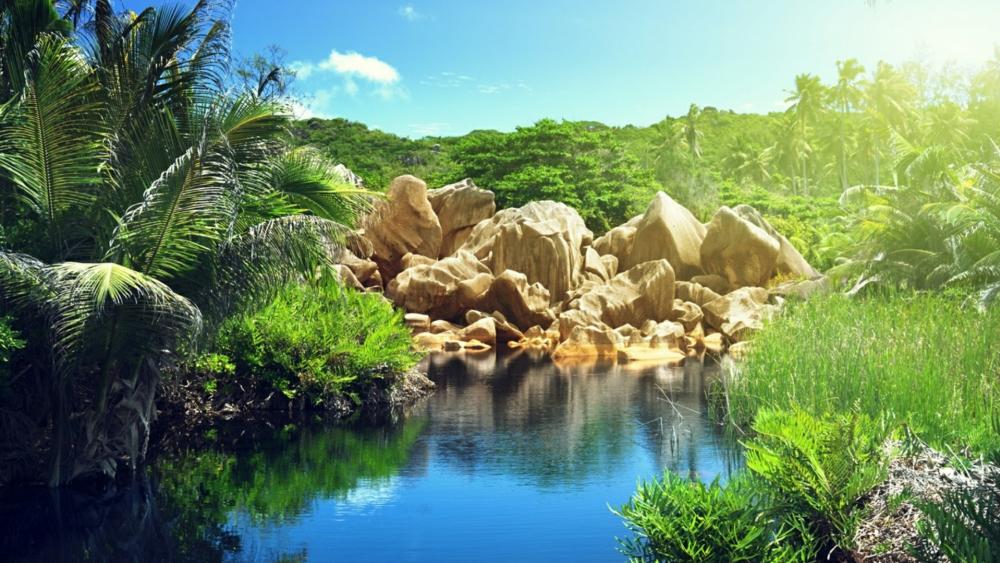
{"points": [[181, 217], [309, 182], [52, 135]]}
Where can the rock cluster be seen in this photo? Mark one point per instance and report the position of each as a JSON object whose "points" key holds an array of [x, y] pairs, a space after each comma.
{"points": [[662, 287]]}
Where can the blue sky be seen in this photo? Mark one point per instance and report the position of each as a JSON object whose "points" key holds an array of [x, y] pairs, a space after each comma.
{"points": [[447, 67]]}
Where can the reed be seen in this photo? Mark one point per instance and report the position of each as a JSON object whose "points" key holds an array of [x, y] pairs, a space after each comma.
{"points": [[924, 361]]}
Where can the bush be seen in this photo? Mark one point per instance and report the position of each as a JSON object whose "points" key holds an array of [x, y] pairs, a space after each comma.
{"points": [[818, 467], [319, 341], [923, 361], [964, 526], [677, 519]]}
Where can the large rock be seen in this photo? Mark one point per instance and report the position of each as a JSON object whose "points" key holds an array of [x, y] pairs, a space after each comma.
{"points": [[570, 319], [505, 331], [738, 250], [544, 240], [523, 304], [347, 277], [739, 313], [645, 292], [714, 282], [667, 230], [589, 342], [790, 262], [694, 292], [347, 175], [365, 271], [688, 314], [801, 289], [484, 330], [460, 207], [403, 223], [445, 289]]}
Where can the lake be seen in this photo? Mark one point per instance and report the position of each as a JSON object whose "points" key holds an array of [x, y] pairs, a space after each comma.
{"points": [[512, 458]]}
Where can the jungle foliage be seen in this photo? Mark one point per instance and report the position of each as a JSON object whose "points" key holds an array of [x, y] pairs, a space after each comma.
{"points": [[888, 175], [142, 200]]}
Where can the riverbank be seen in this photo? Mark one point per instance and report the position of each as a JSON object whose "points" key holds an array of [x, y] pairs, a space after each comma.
{"points": [[872, 431], [184, 403]]}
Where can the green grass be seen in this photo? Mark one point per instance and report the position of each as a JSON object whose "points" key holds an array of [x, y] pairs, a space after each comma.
{"points": [[926, 362]]}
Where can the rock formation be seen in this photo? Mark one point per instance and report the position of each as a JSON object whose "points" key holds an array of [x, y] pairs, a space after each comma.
{"points": [[404, 223], [739, 251], [459, 207], [663, 287], [543, 240], [645, 292], [667, 230]]}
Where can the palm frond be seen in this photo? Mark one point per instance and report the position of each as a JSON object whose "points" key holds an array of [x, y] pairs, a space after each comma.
{"points": [[52, 135], [250, 267], [180, 218], [309, 182]]}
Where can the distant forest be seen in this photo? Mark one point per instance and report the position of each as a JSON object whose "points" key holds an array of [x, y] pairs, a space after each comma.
{"points": [[809, 168]]}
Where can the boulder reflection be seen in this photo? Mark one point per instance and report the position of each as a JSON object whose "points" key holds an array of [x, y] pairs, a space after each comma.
{"points": [[522, 414]]}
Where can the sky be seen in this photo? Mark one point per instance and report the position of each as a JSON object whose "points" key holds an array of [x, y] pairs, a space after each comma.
{"points": [[435, 67]]}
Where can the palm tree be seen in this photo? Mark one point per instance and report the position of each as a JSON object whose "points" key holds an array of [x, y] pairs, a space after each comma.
{"points": [[806, 107], [156, 203], [847, 95], [688, 132], [887, 103], [745, 161]]}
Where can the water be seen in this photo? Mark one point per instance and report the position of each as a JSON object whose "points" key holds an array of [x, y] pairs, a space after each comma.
{"points": [[511, 459]]}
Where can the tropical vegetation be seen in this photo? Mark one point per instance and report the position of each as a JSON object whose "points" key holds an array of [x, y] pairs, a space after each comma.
{"points": [[797, 499], [888, 173], [926, 362], [315, 343], [144, 202]]}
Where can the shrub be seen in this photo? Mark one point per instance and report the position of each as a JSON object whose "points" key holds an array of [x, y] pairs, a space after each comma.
{"points": [[817, 467], [318, 341], [677, 519]]}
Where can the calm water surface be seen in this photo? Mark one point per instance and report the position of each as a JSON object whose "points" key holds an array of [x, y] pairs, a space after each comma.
{"points": [[511, 459]]}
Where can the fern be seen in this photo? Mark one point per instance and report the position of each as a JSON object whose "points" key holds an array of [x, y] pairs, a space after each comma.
{"points": [[676, 519], [817, 467], [964, 526]]}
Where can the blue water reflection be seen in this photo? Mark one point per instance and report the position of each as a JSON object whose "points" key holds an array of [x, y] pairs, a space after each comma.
{"points": [[513, 458]]}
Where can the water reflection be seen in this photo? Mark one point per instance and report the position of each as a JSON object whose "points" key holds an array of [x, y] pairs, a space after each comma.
{"points": [[512, 458], [198, 505], [554, 424]]}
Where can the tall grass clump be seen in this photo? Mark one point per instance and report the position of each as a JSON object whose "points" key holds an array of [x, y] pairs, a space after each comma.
{"points": [[923, 361]]}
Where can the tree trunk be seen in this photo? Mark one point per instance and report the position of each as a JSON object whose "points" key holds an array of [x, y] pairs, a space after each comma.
{"points": [[843, 150]]}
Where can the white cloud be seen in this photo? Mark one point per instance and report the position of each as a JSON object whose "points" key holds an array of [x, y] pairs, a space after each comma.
{"points": [[392, 92], [448, 79], [358, 72], [492, 88], [318, 103], [356, 64], [409, 13], [302, 69]]}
